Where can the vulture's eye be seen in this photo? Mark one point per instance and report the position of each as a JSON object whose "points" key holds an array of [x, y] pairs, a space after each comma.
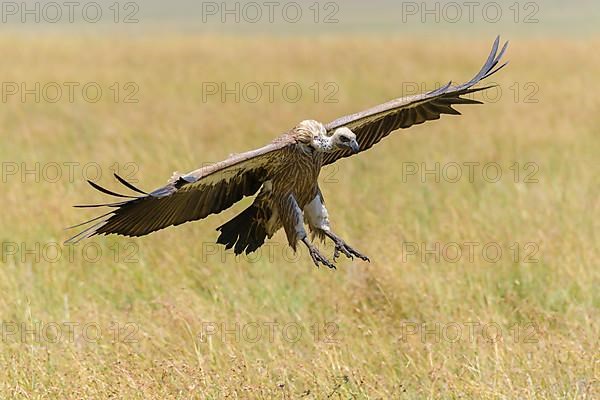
{"points": [[344, 139]]}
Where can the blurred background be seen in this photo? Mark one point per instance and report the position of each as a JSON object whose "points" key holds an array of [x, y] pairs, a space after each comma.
{"points": [[531, 18], [482, 229]]}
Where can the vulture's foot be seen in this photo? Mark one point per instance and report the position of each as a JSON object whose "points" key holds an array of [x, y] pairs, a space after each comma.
{"points": [[342, 247], [316, 256]]}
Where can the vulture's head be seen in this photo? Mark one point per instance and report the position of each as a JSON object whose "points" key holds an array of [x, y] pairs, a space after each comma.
{"points": [[344, 138], [315, 135]]}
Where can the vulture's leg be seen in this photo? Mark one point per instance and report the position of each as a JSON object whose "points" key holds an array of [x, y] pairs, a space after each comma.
{"points": [[291, 218], [316, 256], [318, 220], [341, 246]]}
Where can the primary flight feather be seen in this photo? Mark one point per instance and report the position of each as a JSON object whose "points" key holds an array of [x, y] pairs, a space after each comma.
{"points": [[284, 174]]}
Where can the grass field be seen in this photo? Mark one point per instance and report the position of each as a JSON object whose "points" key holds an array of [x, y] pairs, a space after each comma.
{"points": [[173, 316]]}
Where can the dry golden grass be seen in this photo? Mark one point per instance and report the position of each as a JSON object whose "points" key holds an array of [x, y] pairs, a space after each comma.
{"points": [[161, 302]]}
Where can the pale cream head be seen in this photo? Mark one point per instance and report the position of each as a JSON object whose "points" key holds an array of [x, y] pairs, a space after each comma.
{"points": [[314, 134]]}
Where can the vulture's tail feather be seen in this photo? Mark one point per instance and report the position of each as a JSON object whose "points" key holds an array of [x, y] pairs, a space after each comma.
{"points": [[244, 233]]}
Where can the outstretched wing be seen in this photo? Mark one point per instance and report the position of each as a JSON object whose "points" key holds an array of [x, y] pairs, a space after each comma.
{"points": [[190, 197], [372, 125]]}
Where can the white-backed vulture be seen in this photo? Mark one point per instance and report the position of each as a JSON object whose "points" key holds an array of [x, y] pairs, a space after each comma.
{"points": [[284, 174]]}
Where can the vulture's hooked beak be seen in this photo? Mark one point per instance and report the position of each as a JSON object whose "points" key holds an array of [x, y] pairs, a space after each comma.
{"points": [[354, 146]]}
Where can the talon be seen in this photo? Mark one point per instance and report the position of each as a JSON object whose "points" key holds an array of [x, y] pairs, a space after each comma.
{"points": [[342, 247], [336, 253], [318, 258]]}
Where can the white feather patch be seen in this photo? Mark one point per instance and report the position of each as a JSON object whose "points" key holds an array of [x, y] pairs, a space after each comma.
{"points": [[316, 214]]}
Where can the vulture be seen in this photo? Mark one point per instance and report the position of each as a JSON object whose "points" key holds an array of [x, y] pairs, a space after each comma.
{"points": [[283, 177]]}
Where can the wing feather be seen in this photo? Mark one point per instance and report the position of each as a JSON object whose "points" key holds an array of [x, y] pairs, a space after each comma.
{"points": [[372, 125], [205, 191]]}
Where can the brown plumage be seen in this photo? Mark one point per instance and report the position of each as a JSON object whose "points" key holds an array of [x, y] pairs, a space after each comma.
{"points": [[284, 174]]}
